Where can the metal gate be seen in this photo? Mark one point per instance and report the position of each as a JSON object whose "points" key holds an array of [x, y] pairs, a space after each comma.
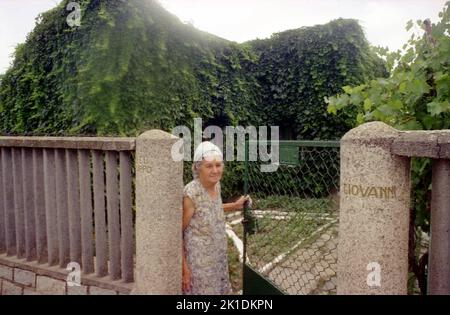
{"points": [[290, 231]]}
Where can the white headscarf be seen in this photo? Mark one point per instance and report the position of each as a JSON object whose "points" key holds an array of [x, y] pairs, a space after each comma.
{"points": [[207, 149]]}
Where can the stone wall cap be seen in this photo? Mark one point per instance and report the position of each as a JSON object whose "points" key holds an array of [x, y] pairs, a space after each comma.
{"points": [[157, 134], [371, 130], [87, 143], [423, 143]]}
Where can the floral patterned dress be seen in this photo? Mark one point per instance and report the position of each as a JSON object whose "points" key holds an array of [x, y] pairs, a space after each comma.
{"points": [[206, 243]]}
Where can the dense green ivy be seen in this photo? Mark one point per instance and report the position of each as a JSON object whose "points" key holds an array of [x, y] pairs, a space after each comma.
{"points": [[133, 66], [298, 68], [130, 66]]}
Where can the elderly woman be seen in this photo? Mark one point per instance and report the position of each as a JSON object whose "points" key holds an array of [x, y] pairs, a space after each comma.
{"points": [[205, 263]]}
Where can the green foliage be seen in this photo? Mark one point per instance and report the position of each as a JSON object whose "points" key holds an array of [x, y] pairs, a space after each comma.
{"points": [[311, 178], [129, 67], [415, 96], [417, 92], [298, 68], [297, 204], [133, 66]]}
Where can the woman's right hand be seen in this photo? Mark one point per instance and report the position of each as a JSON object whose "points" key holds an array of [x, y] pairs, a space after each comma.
{"points": [[240, 203], [186, 283]]}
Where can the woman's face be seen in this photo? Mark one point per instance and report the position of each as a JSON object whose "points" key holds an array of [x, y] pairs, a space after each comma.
{"points": [[211, 170]]}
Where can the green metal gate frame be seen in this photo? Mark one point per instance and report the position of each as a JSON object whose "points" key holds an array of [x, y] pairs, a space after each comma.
{"points": [[254, 283]]}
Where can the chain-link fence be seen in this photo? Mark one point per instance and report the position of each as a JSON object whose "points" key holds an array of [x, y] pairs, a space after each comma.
{"points": [[292, 225]]}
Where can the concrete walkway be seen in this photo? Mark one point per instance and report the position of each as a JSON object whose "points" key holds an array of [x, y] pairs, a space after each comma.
{"points": [[309, 267]]}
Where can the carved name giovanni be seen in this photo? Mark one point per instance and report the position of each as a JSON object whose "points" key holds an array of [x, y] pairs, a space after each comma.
{"points": [[381, 192]]}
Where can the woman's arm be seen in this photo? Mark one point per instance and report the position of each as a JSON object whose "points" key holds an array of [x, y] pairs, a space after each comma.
{"points": [[237, 205], [188, 212], [230, 206]]}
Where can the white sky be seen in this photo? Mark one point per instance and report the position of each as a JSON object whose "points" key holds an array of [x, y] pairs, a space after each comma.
{"points": [[384, 21]]}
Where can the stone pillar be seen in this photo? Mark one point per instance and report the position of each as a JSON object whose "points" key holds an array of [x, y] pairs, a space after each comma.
{"points": [[374, 213], [159, 191], [439, 259]]}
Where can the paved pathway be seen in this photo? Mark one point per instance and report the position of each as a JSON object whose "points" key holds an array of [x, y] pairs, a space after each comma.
{"points": [[311, 267]]}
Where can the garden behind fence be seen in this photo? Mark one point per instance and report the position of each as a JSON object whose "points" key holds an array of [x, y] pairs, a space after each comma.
{"points": [[292, 224]]}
